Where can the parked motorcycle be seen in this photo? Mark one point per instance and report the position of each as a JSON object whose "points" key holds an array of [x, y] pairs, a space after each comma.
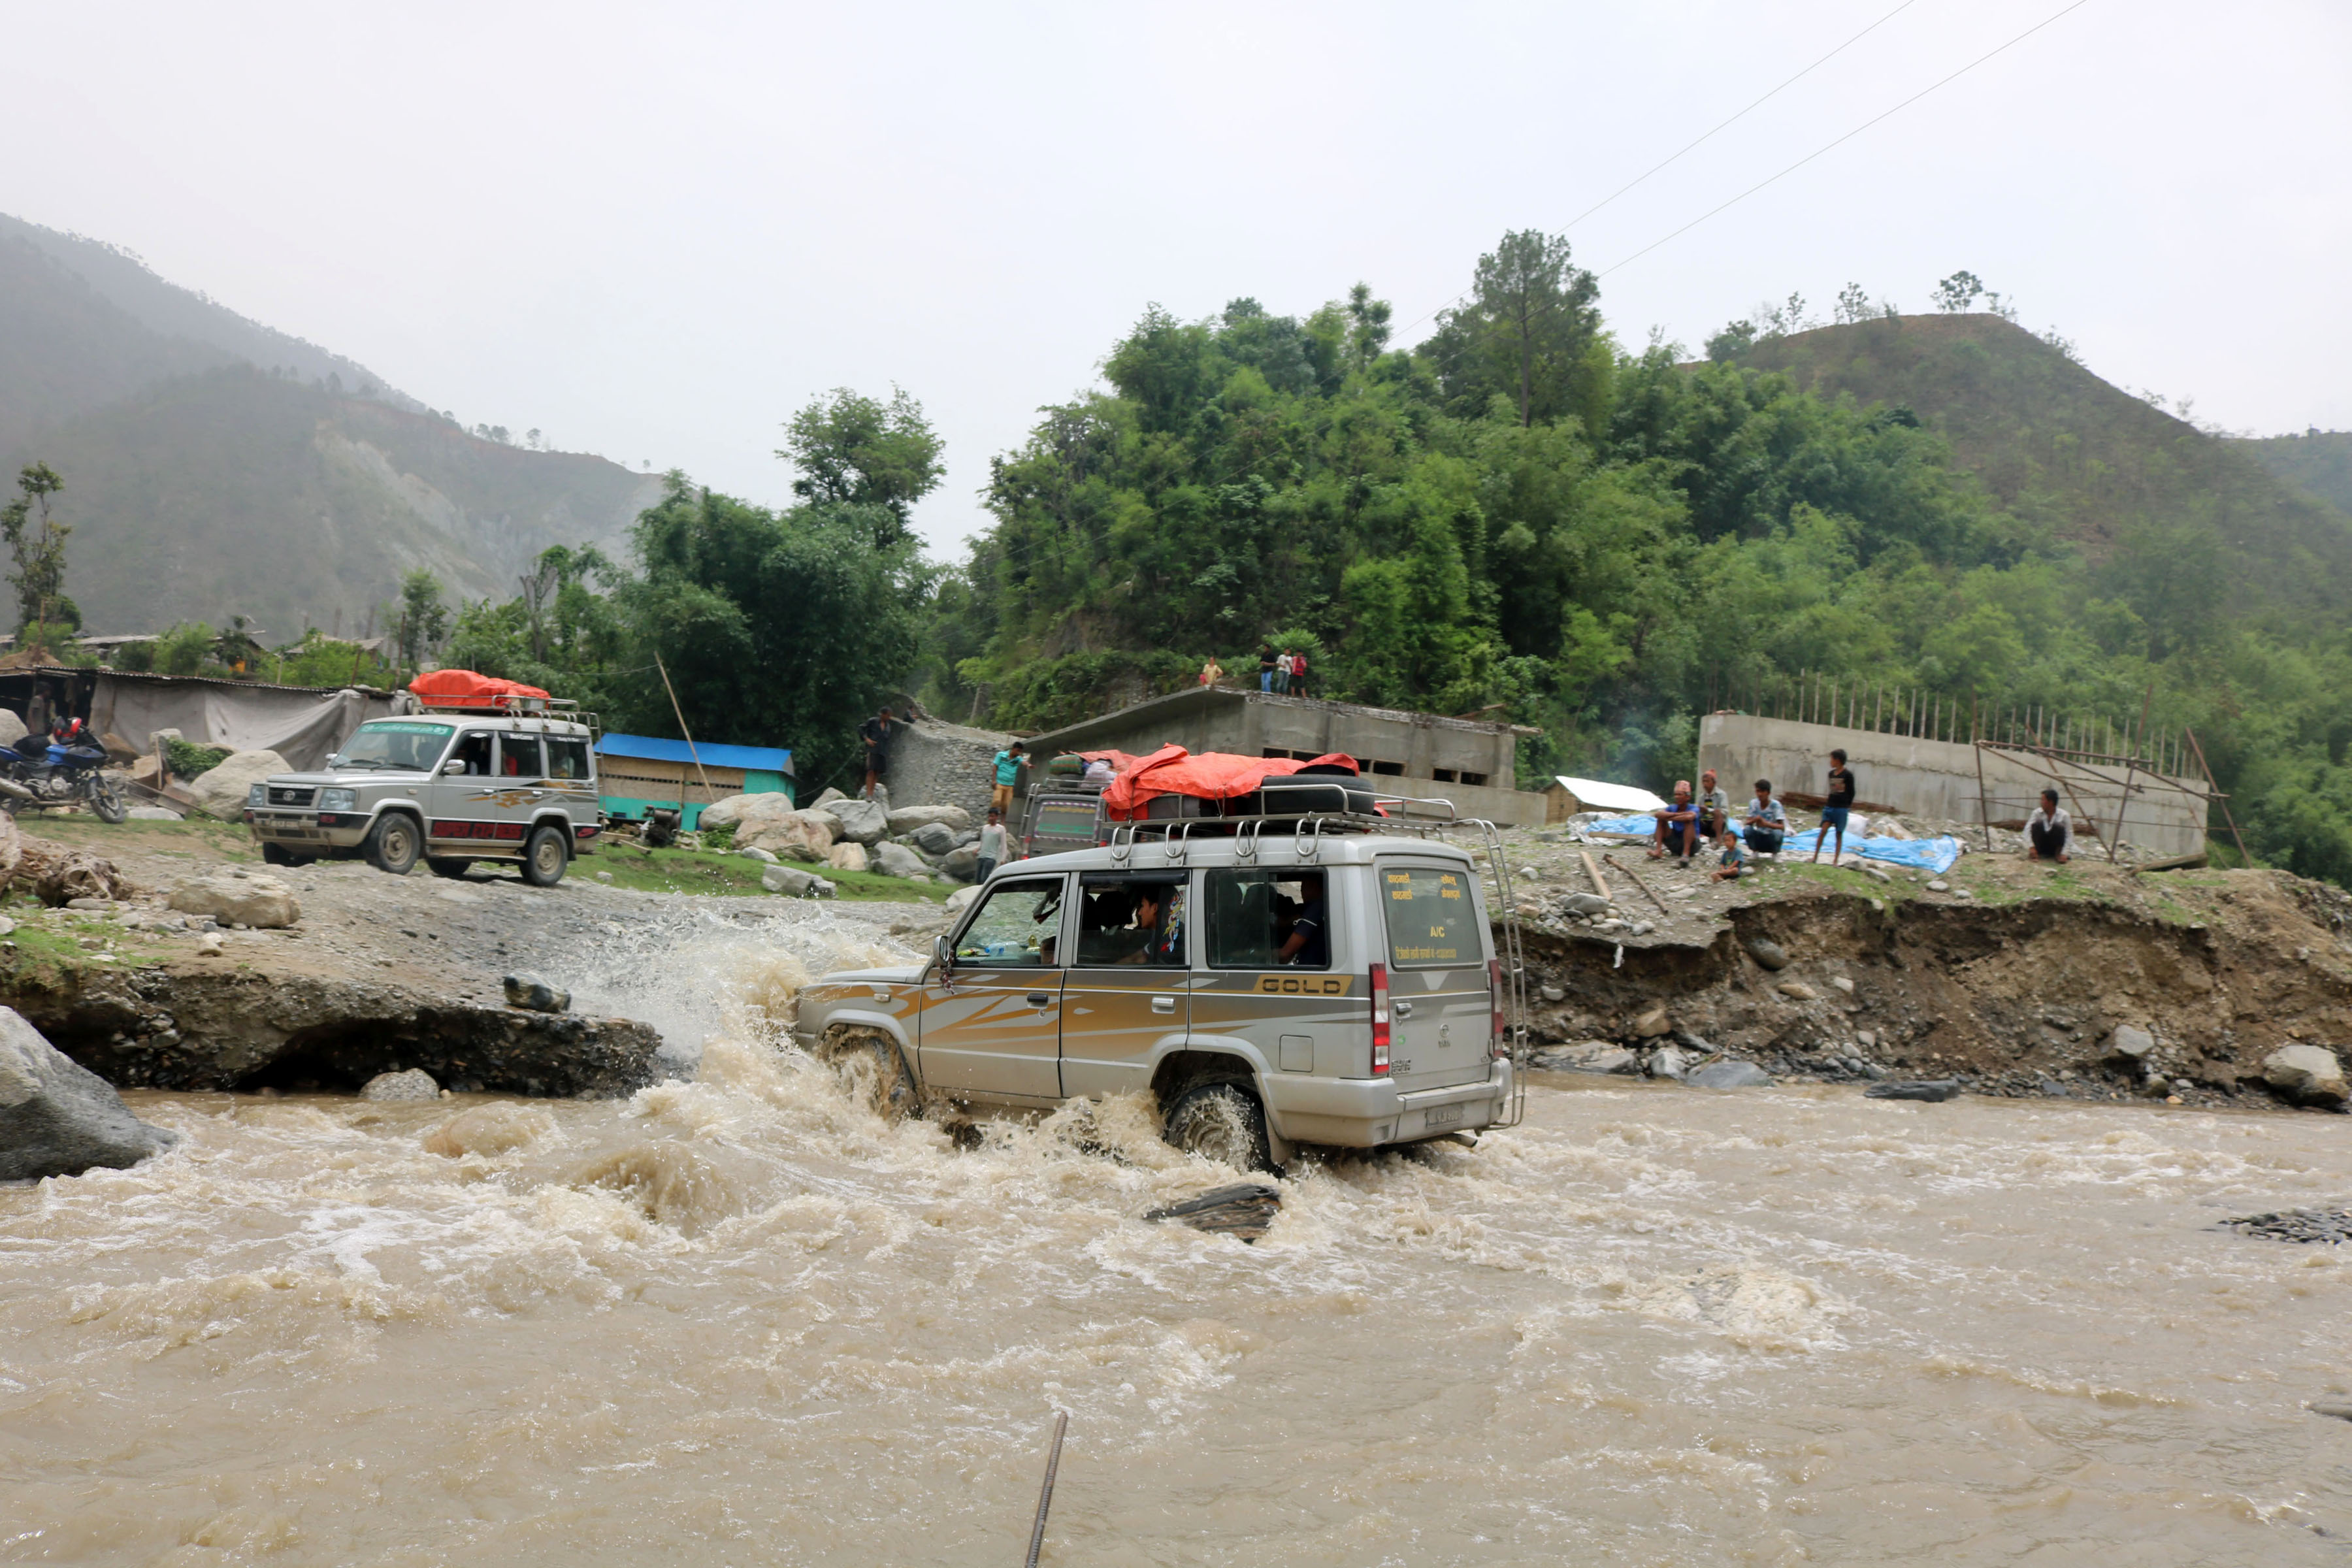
{"points": [[38, 771]]}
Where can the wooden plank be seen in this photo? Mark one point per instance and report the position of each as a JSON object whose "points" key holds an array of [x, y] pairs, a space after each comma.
{"points": [[1599, 883]]}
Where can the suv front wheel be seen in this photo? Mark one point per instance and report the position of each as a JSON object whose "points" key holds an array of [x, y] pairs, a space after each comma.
{"points": [[544, 857], [1220, 1121], [393, 843]]}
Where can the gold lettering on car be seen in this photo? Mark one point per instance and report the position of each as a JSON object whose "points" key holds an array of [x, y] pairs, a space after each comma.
{"points": [[1311, 985]]}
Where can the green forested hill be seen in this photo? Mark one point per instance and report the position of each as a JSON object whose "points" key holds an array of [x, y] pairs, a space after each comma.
{"points": [[2318, 462], [2065, 451], [1523, 517], [214, 467]]}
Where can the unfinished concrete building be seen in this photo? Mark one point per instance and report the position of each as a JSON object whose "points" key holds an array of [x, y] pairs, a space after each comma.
{"points": [[1469, 762]]}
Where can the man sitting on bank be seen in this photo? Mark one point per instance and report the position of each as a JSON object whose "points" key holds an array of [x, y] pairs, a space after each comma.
{"points": [[2048, 833], [1768, 821], [1678, 826]]}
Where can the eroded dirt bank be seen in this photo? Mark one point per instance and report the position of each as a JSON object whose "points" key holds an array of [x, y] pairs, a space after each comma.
{"points": [[2009, 976]]}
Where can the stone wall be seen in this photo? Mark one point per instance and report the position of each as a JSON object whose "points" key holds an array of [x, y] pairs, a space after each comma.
{"points": [[938, 763]]}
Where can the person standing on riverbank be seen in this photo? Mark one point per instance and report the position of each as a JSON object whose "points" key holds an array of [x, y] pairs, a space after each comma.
{"points": [[1837, 807], [1008, 763]]}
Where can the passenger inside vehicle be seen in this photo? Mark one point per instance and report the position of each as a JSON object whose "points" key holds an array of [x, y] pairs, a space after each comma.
{"points": [[1255, 918], [1132, 922]]}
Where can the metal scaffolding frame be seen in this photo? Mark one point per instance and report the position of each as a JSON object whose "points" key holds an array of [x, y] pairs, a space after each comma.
{"points": [[2067, 767]]}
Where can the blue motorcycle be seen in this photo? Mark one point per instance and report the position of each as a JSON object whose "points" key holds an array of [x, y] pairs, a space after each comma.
{"points": [[38, 772]]}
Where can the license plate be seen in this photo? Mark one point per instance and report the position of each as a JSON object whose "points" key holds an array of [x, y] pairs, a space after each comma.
{"points": [[1441, 1116]]}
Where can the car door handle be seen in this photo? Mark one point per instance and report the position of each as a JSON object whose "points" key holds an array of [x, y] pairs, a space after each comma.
{"points": [[1039, 999], [1404, 1009], [1163, 1003]]}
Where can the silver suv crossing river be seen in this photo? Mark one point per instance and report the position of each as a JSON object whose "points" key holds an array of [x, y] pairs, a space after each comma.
{"points": [[447, 788], [1301, 987]]}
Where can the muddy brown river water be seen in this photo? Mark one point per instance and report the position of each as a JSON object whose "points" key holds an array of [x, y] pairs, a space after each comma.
{"points": [[741, 1321]]}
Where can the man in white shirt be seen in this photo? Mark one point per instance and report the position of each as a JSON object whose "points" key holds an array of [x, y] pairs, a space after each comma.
{"points": [[2048, 834], [992, 845]]}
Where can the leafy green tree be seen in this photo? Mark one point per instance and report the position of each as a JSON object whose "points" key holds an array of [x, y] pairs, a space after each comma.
{"points": [[38, 540], [1957, 293], [184, 649], [1529, 331], [424, 617], [855, 450]]}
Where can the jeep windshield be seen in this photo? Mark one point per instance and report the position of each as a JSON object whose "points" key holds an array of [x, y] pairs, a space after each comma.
{"points": [[401, 745]]}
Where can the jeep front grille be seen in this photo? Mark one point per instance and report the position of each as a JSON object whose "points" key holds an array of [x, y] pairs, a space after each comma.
{"points": [[285, 795]]}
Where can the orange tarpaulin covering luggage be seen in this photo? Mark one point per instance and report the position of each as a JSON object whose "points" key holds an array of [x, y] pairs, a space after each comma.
{"points": [[463, 689], [1211, 775]]}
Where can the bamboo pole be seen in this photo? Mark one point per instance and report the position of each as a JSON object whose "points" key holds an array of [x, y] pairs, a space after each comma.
{"points": [[2215, 785], [689, 745]]}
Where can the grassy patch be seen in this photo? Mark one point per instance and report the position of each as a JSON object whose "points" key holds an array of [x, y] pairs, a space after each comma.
{"points": [[197, 838], [704, 871]]}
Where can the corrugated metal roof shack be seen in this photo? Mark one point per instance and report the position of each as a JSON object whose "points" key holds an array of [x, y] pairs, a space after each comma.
{"points": [[637, 772]]}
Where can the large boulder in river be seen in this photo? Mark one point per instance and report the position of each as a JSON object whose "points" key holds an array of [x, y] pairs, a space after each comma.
{"points": [[220, 792], [2308, 1075], [56, 1116], [239, 898], [1729, 1074], [861, 821], [907, 818]]}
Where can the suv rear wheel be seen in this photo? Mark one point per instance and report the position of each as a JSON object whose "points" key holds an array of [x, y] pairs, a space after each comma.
{"points": [[393, 843], [544, 857], [1220, 1121]]}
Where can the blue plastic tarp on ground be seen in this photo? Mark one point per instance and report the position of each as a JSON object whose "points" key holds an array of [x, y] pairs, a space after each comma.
{"points": [[1935, 854]]}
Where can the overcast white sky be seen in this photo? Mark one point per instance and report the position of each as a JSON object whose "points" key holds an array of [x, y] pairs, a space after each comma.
{"points": [[655, 231]]}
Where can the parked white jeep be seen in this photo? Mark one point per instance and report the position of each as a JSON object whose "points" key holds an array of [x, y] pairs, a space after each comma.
{"points": [[446, 788]]}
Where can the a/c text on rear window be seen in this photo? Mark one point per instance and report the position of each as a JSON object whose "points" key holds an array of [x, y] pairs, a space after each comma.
{"points": [[1432, 918]]}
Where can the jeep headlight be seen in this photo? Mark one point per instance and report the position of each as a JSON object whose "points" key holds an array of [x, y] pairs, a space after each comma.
{"points": [[338, 799], [257, 795]]}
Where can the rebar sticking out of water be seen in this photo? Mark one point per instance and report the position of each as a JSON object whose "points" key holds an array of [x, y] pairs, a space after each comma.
{"points": [[1045, 1494]]}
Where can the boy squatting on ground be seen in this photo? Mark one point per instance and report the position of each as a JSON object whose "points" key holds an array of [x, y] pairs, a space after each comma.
{"points": [[2049, 835]]}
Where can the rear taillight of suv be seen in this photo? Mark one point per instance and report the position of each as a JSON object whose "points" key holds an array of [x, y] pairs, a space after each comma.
{"points": [[1502, 1038], [1379, 1020]]}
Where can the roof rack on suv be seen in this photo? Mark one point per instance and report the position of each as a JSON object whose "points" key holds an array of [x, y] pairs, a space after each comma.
{"points": [[505, 702]]}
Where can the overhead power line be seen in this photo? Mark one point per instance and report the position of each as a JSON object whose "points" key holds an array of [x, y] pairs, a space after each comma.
{"points": [[1849, 136], [1719, 126]]}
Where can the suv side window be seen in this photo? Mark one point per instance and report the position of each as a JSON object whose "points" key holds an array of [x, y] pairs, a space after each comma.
{"points": [[1125, 919], [1262, 919], [518, 757], [473, 750], [566, 759], [1016, 928]]}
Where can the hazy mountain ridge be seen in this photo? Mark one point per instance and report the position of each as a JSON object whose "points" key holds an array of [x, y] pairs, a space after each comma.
{"points": [[2318, 462], [2059, 448], [211, 470]]}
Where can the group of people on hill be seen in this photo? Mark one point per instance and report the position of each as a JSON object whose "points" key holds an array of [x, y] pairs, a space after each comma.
{"points": [[1281, 672]]}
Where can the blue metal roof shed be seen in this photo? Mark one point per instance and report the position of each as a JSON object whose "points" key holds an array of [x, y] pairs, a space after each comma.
{"points": [[637, 772], [748, 759]]}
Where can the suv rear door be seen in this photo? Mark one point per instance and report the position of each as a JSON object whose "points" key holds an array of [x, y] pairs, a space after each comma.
{"points": [[1441, 1010], [1294, 1000]]}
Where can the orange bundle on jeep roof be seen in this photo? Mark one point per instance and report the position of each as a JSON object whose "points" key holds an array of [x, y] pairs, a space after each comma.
{"points": [[1211, 775], [463, 689]]}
